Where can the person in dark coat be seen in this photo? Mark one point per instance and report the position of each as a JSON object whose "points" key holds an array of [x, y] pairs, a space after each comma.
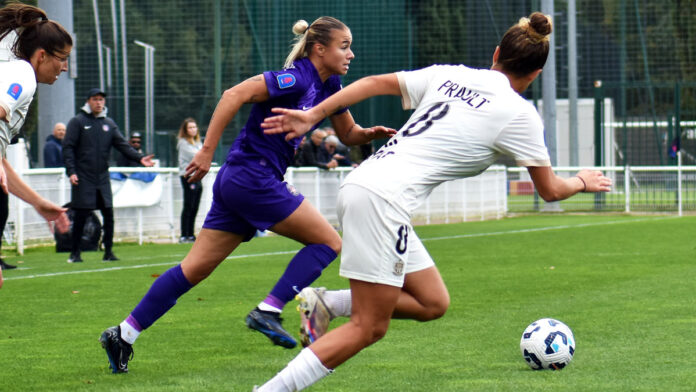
{"points": [[123, 160], [86, 148], [312, 154], [53, 149]]}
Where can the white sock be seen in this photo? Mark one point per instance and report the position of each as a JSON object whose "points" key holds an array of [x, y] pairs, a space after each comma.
{"points": [[301, 372], [269, 308], [339, 302], [128, 333]]}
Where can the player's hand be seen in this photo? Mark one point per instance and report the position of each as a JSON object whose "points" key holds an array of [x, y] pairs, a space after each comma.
{"points": [[293, 122], [379, 132], [73, 179], [147, 160], [595, 181], [54, 215], [199, 166]]}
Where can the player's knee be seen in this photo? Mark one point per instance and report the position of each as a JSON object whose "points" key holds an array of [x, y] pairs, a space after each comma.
{"points": [[196, 272], [439, 308], [335, 243], [373, 331], [435, 309], [378, 332]]}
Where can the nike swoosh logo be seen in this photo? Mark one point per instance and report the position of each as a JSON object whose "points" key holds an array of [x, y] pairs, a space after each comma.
{"points": [[88, 126], [305, 108], [295, 289]]}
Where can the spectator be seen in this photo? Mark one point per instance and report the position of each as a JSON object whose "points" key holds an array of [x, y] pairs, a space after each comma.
{"points": [[312, 152], [188, 145], [86, 147], [53, 149], [359, 153], [135, 141], [331, 152], [298, 160]]}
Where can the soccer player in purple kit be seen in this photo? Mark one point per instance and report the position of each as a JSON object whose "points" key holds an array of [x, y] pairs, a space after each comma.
{"points": [[249, 192]]}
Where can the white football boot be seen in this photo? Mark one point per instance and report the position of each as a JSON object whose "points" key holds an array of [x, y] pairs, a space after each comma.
{"points": [[315, 315]]}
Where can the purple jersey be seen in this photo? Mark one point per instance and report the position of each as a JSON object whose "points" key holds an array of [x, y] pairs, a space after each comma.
{"points": [[295, 88]]}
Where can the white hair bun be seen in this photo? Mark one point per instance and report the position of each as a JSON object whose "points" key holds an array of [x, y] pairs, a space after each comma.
{"points": [[300, 27]]}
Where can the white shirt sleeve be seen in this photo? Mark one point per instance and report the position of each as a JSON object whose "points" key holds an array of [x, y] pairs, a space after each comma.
{"points": [[17, 87], [523, 140], [414, 84]]}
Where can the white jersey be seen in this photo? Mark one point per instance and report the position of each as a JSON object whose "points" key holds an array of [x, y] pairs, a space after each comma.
{"points": [[464, 119], [17, 87], [6, 47]]}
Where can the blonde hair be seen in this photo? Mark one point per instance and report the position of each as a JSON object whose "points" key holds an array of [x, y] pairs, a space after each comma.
{"points": [[183, 134], [308, 35], [525, 46]]}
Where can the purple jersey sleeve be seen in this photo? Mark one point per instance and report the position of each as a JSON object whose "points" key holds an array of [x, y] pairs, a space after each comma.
{"points": [[286, 83]]}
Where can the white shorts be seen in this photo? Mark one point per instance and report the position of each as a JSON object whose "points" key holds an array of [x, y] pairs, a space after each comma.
{"points": [[379, 244]]}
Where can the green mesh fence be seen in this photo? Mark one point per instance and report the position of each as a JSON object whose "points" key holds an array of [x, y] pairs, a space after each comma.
{"points": [[206, 46]]}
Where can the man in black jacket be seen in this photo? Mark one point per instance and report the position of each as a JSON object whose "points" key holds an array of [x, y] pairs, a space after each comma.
{"points": [[86, 148], [53, 149]]}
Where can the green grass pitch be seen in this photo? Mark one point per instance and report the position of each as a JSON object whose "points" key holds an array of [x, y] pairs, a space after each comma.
{"points": [[624, 284]]}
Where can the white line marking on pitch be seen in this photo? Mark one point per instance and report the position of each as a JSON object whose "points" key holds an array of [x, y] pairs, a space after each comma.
{"points": [[451, 237], [139, 266], [295, 251]]}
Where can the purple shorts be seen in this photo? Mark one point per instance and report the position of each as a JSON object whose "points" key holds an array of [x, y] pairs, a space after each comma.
{"points": [[249, 198]]}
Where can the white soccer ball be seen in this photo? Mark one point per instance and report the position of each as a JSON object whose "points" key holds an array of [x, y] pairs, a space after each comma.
{"points": [[547, 344]]}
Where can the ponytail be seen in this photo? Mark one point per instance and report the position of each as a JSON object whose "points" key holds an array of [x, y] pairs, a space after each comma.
{"points": [[34, 31], [299, 29]]}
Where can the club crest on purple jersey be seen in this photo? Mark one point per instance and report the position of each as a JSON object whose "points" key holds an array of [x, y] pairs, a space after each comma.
{"points": [[15, 90], [105, 128], [286, 80], [293, 191]]}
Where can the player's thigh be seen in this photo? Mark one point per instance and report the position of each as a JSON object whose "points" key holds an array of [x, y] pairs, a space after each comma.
{"points": [[208, 251], [372, 306], [308, 226]]}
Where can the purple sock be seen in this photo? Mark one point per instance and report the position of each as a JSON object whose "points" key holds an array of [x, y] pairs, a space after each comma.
{"points": [[303, 269], [161, 297]]}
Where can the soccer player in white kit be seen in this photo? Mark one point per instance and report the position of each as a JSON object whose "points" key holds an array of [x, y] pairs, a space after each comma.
{"points": [[464, 119], [38, 50]]}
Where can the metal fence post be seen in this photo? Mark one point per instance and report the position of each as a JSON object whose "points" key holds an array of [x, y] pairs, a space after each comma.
{"points": [[679, 182], [172, 178], [598, 146], [627, 188]]}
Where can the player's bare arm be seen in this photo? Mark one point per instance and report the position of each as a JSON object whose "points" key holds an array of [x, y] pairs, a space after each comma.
{"points": [[552, 187], [48, 210], [351, 133], [296, 122], [252, 90]]}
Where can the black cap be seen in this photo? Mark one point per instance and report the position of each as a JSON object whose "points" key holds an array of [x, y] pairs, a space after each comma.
{"points": [[95, 91], [136, 135]]}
